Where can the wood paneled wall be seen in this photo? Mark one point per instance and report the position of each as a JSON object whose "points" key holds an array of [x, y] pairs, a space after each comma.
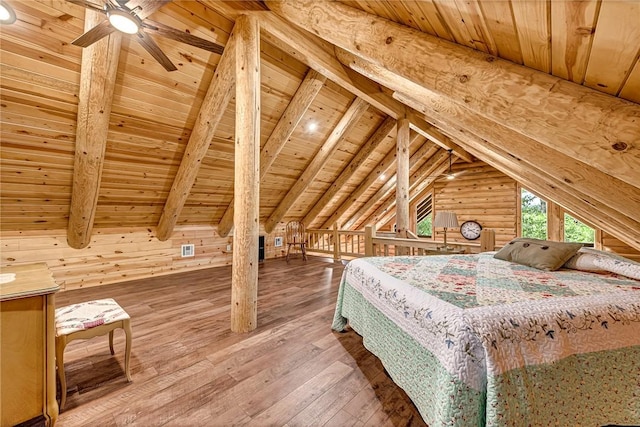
{"points": [[118, 255], [609, 243], [480, 193]]}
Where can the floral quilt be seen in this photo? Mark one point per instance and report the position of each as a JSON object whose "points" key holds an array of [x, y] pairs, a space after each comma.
{"points": [[475, 340]]}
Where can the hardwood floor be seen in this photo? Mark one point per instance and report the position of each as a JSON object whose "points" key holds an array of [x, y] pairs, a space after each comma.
{"points": [[189, 369]]}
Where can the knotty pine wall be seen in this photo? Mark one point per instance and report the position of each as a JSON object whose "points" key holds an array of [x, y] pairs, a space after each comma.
{"points": [[610, 243], [481, 193], [118, 255]]}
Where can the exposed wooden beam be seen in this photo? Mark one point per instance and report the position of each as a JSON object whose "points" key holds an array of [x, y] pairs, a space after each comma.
{"points": [[560, 175], [244, 273], [363, 153], [299, 104], [587, 125], [211, 111], [423, 177], [420, 125], [353, 114], [427, 150], [318, 54], [402, 178], [97, 84], [383, 168]]}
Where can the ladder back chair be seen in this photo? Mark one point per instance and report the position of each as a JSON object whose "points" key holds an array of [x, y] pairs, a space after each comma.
{"points": [[295, 234]]}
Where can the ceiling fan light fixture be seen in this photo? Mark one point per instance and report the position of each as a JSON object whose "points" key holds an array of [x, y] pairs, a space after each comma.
{"points": [[123, 21], [7, 15]]}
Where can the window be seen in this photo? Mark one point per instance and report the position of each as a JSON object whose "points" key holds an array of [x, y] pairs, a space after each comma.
{"points": [[534, 216], [576, 231], [424, 217], [534, 221]]}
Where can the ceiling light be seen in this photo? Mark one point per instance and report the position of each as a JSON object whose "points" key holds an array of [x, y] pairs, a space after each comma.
{"points": [[7, 15], [123, 21], [450, 176], [382, 177], [311, 126]]}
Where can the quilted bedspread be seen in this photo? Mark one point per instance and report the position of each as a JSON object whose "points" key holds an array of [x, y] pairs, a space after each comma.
{"points": [[474, 340]]}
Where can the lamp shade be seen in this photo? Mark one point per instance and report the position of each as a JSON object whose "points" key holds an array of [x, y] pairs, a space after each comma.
{"points": [[445, 219]]}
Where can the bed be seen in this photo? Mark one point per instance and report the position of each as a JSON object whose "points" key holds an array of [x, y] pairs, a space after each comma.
{"points": [[475, 340]]}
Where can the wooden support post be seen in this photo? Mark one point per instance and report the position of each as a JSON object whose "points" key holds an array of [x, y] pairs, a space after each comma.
{"points": [[97, 84], [336, 243], [402, 182], [369, 234], [244, 284], [555, 222], [487, 240]]}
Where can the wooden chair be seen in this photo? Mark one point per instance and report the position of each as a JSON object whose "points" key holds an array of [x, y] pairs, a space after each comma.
{"points": [[87, 320], [295, 235]]}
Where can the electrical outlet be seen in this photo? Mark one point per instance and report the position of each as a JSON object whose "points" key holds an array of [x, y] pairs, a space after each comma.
{"points": [[188, 250], [228, 247]]}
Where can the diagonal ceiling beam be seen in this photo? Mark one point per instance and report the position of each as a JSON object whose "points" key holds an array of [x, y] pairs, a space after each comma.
{"points": [[215, 102], [97, 84], [389, 186], [383, 168], [583, 182], [421, 179], [319, 55], [432, 133], [592, 127], [353, 114], [572, 184], [425, 175], [300, 103], [363, 153]]}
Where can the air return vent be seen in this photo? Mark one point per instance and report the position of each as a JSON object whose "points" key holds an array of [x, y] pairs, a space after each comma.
{"points": [[188, 250]]}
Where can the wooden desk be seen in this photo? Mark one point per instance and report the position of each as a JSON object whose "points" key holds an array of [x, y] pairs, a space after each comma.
{"points": [[27, 346]]}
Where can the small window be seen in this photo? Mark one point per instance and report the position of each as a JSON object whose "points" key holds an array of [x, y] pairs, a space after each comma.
{"points": [[534, 216], [576, 231], [424, 217]]}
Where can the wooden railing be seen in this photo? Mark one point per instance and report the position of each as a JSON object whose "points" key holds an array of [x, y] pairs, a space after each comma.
{"points": [[352, 244]]}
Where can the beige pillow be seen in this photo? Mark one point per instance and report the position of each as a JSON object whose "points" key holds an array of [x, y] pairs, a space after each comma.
{"points": [[541, 254]]}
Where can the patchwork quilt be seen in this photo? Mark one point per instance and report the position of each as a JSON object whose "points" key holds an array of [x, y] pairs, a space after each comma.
{"points": [[474, 340]]}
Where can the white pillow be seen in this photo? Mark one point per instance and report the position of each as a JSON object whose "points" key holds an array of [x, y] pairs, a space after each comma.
{"points": [[589, 259]]}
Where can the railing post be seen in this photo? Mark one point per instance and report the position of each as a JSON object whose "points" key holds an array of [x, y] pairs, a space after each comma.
{"points": [[487, 240], [369, 234], [336, 242]]}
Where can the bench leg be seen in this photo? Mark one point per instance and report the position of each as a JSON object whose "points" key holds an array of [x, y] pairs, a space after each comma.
{"points": [[61, 343], [111, 342], [126, 325]]}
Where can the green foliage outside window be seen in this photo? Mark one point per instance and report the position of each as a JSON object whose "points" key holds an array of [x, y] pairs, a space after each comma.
{"points": [[534, 216], [575, 231], [534, 222], [424, 226]]}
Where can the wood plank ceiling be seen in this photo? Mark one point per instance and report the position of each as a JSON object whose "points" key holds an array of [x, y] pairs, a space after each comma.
{"points": [[343, 170]]}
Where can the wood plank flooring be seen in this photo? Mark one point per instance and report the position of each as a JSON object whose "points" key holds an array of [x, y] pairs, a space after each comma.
{"points": [[189, 369]]}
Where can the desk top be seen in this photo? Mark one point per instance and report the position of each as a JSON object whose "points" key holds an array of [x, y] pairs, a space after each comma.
{"points": [[30, 280]]}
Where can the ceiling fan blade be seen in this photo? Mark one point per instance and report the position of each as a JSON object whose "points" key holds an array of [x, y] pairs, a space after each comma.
{"points": [[88, 5], [182, 36], [155, 51], [101, 30], [144, 8]]}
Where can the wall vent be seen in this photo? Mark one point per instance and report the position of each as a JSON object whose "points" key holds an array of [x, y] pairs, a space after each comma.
{"points": [[188, 250]]}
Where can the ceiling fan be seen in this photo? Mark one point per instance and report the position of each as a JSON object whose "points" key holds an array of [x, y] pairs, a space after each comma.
{"points": [[449, 174], [130, 17]]}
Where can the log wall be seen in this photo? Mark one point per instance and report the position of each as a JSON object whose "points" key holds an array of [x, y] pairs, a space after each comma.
{"points": [[118, 255], [481, 193], [610, 243]]}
